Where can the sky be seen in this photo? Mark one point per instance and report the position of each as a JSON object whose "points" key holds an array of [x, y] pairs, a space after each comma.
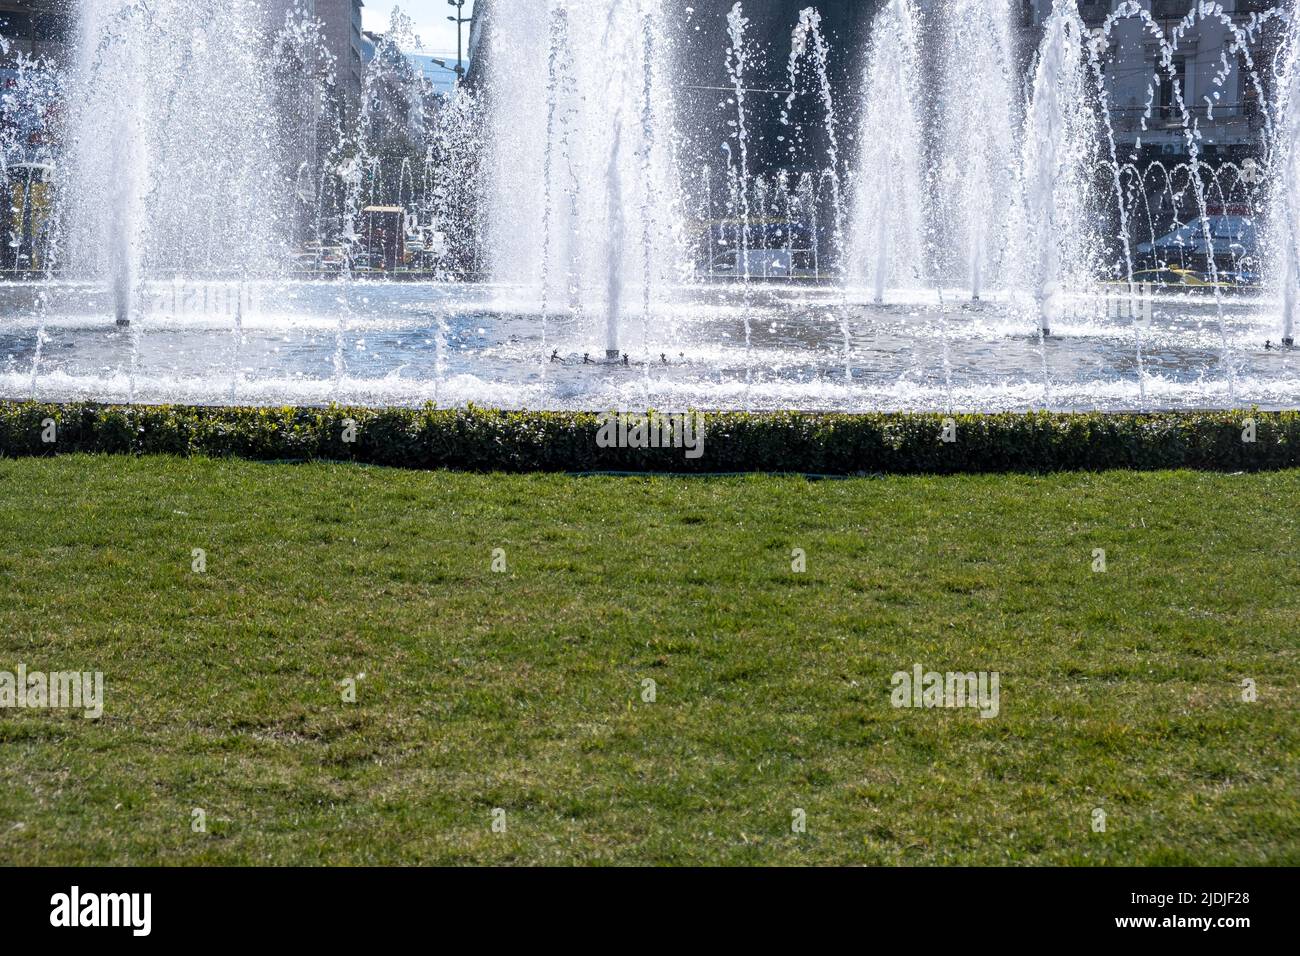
{"points": [[430, 16]]}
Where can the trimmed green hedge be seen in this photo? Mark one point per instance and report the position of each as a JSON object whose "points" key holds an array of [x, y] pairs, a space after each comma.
{"points": [[476, 439]]}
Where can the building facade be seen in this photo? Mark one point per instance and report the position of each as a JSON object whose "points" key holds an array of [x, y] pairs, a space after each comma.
{"points": [[35, 28], [1211, 77], [341, 29], [704, 99], [37, 34], [342, 21], [46, 28]]}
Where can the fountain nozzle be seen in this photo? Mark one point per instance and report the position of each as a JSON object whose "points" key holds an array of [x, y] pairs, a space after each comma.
{"points": [[612, 355], [123, 322]]}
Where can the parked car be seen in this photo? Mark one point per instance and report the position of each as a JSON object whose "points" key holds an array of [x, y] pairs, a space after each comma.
{"points": [[425, 247], [765, 264], [1233, 240], [1172, 277], [316, 257]]}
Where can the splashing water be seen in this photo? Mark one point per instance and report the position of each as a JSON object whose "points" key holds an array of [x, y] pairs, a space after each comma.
{"points": [[1060, 150], [169, 124], [886, 245], [979, 210], [604, 117], [953, 176]]}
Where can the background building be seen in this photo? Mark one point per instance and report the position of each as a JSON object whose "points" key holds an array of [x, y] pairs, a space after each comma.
{"points": [[38, 35], [704, 82], [1227, 108], [37, 28], [47, 27], [342, 20], [341, 23], [705, 95], [39, 31]]}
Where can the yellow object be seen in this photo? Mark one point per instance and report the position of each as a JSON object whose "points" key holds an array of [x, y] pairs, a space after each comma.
{"points": [[29, 214]]}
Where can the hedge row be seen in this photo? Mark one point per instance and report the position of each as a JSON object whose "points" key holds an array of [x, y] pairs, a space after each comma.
{"points": [[476, 439]]}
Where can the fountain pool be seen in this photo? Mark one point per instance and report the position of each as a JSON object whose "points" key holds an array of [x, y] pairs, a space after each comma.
{"points": [[456, 343], [973, 235]]}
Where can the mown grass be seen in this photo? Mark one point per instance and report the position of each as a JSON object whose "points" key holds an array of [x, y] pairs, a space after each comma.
{"points": [[523, 690]]}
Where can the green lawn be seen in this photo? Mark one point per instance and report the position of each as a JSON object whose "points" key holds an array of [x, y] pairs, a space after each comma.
{"points": [[523, 690]]}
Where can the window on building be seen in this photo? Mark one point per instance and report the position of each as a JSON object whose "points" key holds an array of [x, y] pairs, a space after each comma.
{"points": [[1171, 87], [51, 28], [1094, 11], [16, 26], [1249, 94]]}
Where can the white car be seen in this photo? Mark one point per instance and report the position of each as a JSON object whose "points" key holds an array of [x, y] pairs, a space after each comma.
{"points": [[766, 264], [1233, 236]]}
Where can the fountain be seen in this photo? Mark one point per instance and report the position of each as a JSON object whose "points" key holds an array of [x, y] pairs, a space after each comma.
{"points": [[1286, 202], [980, 118], [597, 119], [809, 51], [886, 243], [940, 219], [170, 119], [1061, 145]]}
